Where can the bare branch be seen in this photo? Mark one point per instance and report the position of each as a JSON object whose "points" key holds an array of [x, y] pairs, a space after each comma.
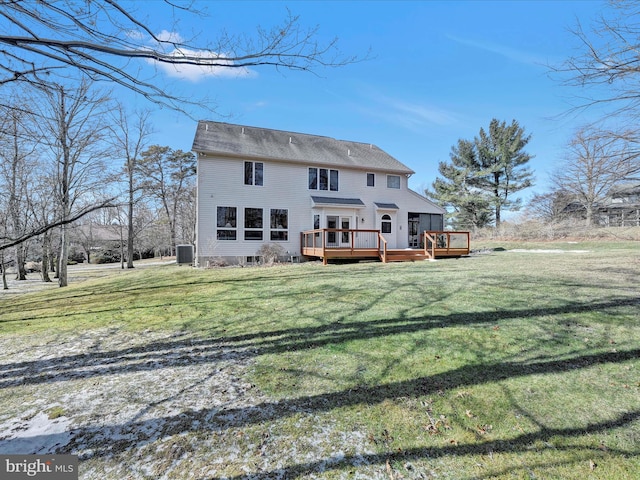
{"points": [[101, 38], [11, 242], [606, 68]]}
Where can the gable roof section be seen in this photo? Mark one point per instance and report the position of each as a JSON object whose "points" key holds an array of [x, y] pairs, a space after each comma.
{"points": [[226, 139]]}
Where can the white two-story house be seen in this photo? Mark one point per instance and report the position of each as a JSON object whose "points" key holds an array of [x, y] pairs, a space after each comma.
{"points": [[260, 186]]}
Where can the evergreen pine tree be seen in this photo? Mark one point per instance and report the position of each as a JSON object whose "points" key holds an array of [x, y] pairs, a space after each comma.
{"points": [[482, 176]]}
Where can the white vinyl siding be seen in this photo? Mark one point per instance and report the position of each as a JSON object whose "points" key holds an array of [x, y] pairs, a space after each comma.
{"points": [[287, 189]]}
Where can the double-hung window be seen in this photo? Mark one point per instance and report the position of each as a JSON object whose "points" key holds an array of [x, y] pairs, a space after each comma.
{"points": [[393, 181], [253, 173], [371, 179], [226, 223], [279, 224], [323, 179], [253, 224]]}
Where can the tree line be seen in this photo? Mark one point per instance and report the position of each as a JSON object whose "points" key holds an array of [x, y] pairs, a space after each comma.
{"points": [[75, 154]]}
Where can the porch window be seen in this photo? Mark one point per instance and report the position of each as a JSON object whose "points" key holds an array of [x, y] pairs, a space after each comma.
{"points": [[253, 224], [316, 225], [226, 223], [371, 179], [385, 225], [323, 179], [253, 173], [393, 181], [279, 224]]}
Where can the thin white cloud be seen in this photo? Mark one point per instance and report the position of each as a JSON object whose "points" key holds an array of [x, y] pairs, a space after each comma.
{"points": [[412, 115], [511, 53], [166, 36], [223, 69], [417, 114]]}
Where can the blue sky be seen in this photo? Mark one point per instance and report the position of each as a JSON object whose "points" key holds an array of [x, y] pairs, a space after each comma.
{"points": [[438, 72]]}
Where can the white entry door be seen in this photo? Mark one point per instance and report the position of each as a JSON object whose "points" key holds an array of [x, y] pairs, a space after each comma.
{"points": [[387, 225]]}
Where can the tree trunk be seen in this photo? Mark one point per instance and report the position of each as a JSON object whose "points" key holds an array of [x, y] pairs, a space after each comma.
{"points": [[130, 232], [46, 250], [5, 285], [20, 261], [63, 258], [589, 218]]}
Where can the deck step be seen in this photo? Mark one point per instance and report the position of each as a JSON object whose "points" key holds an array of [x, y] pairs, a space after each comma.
{"points": [[406, 256]]}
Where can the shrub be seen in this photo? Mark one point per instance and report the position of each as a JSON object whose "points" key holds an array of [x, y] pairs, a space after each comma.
{"points": [[270, 253]]}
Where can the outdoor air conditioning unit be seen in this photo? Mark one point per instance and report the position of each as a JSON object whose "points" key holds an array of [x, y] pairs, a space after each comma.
{"points": [[184, 254]]}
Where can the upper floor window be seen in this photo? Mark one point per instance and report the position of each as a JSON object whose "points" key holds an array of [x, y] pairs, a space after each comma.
{"points": [[371, 179], [226, 223], [323, 179], [253, 173], [393, 181]]}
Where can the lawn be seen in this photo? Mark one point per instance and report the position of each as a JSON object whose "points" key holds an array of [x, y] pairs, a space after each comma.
{"points": [[520, 362]]}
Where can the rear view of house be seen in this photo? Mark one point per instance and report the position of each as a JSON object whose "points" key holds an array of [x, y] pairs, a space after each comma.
{"points": [[259, 186]]}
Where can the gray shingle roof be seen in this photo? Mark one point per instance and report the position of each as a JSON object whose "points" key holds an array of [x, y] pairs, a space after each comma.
{"points": [[336, 201], [220, 138], [387, 206]]}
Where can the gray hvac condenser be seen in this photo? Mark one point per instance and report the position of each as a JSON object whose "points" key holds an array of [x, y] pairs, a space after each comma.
{"points": [[184, 254]]}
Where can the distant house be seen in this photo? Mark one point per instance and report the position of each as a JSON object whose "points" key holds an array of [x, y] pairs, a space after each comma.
{"points": [[87, 239], [259, 186], [622, 206]]}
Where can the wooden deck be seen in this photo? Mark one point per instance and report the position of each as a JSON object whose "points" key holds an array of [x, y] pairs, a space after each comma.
{"points": [[328, 244]]}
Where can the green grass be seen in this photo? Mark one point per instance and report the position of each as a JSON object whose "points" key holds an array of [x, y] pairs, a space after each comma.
{"points": [[504, 365]]}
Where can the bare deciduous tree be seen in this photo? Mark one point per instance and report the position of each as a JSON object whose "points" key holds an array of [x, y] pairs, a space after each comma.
{"points": [[16, 168], [103, 38], [72, 120], [168, 177], [606, 70], [129, 134], [596, 160]]}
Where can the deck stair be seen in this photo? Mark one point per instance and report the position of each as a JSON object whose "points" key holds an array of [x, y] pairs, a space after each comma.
{"points": [[405, 255]]}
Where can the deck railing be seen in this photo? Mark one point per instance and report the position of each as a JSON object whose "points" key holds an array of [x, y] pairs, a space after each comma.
{"points": [[447, 244], [335, 242], [383, 251], [328, 243]]}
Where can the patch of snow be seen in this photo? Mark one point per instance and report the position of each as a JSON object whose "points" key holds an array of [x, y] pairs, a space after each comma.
{"points": [[38, 434], [534, 250], [158, 405]]}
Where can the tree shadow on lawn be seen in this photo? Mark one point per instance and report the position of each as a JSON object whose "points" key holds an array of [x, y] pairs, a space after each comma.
{"points": [[220, 419], [190, 351], [233, 289], [142, 286], [519, 444]]}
